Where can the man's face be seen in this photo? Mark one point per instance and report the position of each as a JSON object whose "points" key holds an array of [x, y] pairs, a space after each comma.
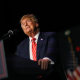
{"points": [[28, 25]]}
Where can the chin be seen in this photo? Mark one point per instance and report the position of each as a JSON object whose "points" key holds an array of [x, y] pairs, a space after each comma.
{"points": [[27, 32]]}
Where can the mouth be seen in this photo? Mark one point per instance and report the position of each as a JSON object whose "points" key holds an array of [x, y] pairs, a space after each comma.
{"points": [[27, 26]]}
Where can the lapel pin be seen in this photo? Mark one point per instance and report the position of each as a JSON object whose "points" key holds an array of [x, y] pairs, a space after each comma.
{"points": [[41, 38]]}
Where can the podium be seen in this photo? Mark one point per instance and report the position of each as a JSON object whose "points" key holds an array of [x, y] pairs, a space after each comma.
{"points": [[20, 68], [3, 67]]}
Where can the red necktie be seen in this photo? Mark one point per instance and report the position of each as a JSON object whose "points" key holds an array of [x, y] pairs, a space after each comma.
{"points": [[34, 47]]}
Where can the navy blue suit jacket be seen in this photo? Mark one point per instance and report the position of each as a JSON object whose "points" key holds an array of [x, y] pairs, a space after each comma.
{"points": [[46, 46]]}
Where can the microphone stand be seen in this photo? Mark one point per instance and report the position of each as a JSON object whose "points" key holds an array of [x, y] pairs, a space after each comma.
{"points": [[7, 35]]}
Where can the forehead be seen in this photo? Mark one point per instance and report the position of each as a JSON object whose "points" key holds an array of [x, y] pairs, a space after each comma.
{"points": [[26, 19]]}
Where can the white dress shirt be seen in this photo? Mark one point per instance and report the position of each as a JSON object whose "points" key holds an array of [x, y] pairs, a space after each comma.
{"points": [[30, 47], [30, 44]]}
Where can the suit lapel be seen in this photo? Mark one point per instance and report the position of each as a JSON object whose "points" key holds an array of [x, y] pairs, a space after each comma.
{"points": [[39, 45]]}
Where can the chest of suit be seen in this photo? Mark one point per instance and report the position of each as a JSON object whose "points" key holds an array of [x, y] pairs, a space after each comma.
{"points": [[42, 44]]}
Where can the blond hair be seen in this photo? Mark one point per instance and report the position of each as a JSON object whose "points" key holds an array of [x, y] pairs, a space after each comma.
{"points": [[30, 16]]}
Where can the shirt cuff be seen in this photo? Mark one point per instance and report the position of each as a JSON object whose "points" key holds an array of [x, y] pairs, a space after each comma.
{"points": [[52, 62]]}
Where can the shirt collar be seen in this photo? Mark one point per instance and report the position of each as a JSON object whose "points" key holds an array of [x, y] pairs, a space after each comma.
{"points": [[36, 36]]}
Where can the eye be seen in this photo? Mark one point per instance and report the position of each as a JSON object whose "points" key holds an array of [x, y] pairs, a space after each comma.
{"points": [[22, 24]]}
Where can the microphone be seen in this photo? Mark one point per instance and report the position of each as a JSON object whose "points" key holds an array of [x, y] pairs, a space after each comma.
{"points": [[9, 34]]}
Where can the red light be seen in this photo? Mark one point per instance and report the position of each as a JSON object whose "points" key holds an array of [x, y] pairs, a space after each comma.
{"points": [[77, 48]]}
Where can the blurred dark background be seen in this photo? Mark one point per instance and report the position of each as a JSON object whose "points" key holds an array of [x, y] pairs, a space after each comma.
{"points": [[52, 16]]}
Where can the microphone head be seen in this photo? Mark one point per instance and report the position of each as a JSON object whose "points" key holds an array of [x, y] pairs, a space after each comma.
{"points": [[67, 32], [10, 32]]}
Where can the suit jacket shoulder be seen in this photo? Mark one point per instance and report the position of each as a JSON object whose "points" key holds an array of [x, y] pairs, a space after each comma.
{"points": [[49, 34], [22, 43]]}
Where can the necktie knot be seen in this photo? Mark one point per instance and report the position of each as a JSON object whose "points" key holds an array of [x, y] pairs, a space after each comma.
{"points": [[33, 39]]}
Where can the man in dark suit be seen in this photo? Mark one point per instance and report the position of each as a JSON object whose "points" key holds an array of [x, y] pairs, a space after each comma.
{"points": [[38, 47]]}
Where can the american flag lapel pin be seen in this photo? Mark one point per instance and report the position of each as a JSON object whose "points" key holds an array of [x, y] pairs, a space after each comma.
{"points": [[41, 38]]}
